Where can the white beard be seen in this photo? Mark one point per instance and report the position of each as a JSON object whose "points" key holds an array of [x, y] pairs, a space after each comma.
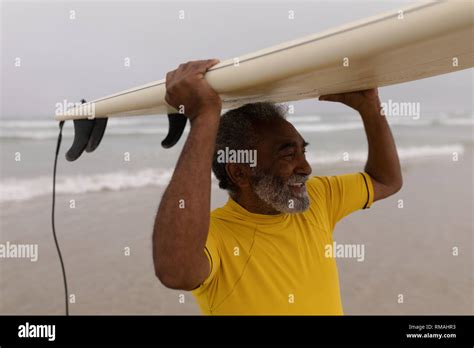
{"points": [[278, 194]]}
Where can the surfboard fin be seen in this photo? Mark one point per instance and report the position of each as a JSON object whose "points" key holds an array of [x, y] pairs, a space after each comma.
{"points": [[97, 134], [177, 122], [89, 133], [87, 136]]}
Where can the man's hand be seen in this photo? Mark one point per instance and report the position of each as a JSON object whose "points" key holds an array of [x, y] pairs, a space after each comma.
{"points": [[186, 87], [368, 99]]}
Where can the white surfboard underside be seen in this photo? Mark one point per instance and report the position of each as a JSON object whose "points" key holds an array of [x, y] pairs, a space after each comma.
{"points": [[428, 39]]}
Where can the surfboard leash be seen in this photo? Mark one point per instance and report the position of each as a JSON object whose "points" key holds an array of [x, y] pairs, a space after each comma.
{"points": [[58, 145]]}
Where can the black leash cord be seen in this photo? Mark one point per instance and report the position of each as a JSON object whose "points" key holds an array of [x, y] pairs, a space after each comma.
{"points": [[61, 124]]}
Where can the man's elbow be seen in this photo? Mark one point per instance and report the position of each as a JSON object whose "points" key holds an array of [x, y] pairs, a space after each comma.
{"points": [[169, 280], [396, 185], [172, 279]]}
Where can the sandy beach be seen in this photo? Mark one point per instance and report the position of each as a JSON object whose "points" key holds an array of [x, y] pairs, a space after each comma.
{"points": [[408, 250]]}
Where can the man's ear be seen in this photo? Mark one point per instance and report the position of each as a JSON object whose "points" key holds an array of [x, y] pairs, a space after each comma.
{"points": [[239, 174]]}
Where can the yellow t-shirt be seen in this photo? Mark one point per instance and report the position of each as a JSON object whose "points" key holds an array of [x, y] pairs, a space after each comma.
{"points": [[276, 264]]}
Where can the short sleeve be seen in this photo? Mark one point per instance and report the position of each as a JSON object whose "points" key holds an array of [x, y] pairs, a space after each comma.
{"points": [[342, 194], [212, 254]]}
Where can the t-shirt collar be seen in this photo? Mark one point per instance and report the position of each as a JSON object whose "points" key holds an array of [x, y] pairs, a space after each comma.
{"points": [[236, 209]]}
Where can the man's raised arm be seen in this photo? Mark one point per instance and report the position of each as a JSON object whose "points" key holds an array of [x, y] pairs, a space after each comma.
{"points": [[383, 164], [182, 222]]}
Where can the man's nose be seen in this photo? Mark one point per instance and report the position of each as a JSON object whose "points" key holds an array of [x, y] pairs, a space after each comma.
{"points": [[303, 167]]}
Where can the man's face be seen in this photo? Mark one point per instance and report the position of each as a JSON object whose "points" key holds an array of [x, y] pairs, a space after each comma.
{"points": [[282, 170]]}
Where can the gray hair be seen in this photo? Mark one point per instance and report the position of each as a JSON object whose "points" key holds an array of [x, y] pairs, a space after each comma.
{"points": [[237, 131]]}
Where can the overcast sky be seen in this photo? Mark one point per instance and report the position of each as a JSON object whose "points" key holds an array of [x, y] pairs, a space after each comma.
{"points": [[64, 58]]}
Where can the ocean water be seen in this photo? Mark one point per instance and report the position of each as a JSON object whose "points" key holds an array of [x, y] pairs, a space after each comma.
{"points": [[130, 155]]}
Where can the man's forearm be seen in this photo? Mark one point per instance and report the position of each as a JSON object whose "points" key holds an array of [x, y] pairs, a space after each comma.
{"points": [[182, 221], [382, 164]]}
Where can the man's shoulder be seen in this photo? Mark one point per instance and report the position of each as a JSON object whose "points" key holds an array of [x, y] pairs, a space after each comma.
{"points": [[317, 186]]}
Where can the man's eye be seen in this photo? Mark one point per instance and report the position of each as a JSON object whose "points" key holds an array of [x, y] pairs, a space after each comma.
{"points": [[291, 155]]}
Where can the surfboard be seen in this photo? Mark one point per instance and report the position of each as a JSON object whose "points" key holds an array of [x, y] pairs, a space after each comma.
{"points": [[423, 40], [412, 43]]}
